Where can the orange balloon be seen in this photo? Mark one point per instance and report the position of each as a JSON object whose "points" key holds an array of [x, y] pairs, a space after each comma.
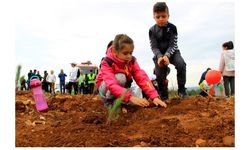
{"points": [[213, 77]]}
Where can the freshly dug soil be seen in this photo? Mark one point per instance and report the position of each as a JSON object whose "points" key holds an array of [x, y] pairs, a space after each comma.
{"points": [[81, 121]]}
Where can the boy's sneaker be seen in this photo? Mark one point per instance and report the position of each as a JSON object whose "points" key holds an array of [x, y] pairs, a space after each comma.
{"points": [[182, 93], [164, 97]]}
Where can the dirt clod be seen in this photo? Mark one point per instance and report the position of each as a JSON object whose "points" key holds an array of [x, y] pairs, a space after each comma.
{"points": [[200, 143], [228, 140]]}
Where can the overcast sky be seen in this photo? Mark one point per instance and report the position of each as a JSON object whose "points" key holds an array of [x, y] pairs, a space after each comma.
{"points": [[51, 34]]}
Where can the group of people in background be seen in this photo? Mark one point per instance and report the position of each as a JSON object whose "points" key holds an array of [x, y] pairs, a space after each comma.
{"points": [[79, 82], [227, 69]]}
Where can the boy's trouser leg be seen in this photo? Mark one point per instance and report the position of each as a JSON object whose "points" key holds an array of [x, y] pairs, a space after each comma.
{"points": [[161, 74], [226, 85], [180, 66]]}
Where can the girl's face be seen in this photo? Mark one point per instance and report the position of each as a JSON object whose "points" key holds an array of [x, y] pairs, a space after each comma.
{"points": [[125, 53], [161, 18]]}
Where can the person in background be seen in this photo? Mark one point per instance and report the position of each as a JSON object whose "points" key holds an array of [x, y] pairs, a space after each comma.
{"points": [[202, 79], [51, 79], [73, 76], [227, 67], [29, 76], [34, 72], [62, 77], [81, 82], [23, 83], [91, 81], [39, 76], [44, 82]]}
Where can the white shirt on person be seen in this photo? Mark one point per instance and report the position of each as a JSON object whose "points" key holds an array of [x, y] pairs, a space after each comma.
{"points": [[51, 78], [73, 74]]}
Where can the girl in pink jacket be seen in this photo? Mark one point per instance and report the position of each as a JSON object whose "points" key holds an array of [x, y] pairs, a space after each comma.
{"points": [[118, 69]]}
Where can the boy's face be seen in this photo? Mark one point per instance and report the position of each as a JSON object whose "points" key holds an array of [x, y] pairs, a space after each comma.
{"points": [[125, 53], [161, 18]]}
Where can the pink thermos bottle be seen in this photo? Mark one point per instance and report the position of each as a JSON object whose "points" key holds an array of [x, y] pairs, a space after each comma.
{"points": [[40, 101]]}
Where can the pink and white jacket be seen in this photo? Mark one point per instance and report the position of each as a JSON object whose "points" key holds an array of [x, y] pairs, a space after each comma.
{"points": [[131, 70]]}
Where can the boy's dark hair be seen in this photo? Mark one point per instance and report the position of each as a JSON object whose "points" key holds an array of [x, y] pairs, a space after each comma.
{"points": [[160, 7], [228, 45], [120, 40]]}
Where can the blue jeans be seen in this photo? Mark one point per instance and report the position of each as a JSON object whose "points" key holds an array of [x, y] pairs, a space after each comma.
{"points": [[62, 87]]}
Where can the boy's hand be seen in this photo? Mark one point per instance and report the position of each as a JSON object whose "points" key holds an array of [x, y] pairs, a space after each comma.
{"points": [[157, 102], [163, 61], [139, 101], [166, 60], [159, 61]]}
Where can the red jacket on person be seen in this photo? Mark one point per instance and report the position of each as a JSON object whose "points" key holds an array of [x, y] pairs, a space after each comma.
{"points": [[131, 70]]}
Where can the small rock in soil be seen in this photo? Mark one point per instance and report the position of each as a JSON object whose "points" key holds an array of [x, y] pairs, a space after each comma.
{"points": [[200, 143]]}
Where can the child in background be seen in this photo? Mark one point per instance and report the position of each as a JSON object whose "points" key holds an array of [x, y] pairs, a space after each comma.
{"points": [[117, 72], [227, 67], [163, 41], [203, 84]]}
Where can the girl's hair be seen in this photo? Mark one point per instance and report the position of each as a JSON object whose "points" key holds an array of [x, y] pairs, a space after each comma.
{"points": [[228, 45], [120, 40], [109, 44], [160, 7]]}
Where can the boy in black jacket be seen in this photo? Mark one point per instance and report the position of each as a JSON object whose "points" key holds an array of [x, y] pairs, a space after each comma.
{"points": [[163, 41]]}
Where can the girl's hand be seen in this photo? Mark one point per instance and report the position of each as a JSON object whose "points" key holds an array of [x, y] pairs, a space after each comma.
{"points": [[157, 102], [139, 101]]}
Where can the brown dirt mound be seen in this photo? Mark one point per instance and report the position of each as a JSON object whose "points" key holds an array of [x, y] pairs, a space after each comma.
{"points": [[81, 121]]}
